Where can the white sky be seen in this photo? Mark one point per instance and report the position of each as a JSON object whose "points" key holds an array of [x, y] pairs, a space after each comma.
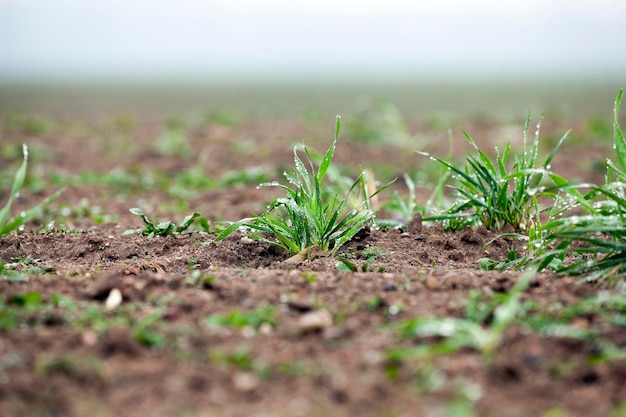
{"points": [[273, 38]]}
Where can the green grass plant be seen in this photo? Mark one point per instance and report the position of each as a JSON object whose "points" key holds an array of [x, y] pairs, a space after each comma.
{"points": [[30, 125], [404, 207], [307, 216], [346, 265], [239, 358], [9, 225], [238, 319], [379, 122], [592, 243], [173, 141], [468, 332], [501, 192], [163, 228]]}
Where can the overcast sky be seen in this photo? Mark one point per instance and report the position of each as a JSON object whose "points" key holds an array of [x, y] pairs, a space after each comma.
{"points": [[83, 39]]}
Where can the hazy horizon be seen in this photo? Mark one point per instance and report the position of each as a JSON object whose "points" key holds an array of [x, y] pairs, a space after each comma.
{"points": [[244, 40]]}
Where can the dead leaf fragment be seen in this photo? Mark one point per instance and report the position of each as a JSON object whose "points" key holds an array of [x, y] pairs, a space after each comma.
{"points": [[310, 253]]}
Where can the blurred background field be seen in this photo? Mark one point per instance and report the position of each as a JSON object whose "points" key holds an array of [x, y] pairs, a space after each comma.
{"points": [[505, 101], [450, 58]]}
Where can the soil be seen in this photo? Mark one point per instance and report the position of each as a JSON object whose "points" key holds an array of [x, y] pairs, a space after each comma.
{"points": [[57, 362]]}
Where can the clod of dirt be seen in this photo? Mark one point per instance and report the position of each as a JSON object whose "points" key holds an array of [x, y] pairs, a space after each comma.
{"points": [[101, 289], [315, 321], [432, 282], [119, 340], [415, 224]]}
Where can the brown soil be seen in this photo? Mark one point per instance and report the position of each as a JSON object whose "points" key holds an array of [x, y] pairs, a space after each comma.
{"points": [[55, 363]]}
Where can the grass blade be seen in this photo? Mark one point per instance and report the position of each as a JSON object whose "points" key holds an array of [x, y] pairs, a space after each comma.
{"points": [[18, 181], [618, 136]]}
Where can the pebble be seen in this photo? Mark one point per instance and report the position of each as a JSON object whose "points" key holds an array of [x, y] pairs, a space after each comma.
{"points": [[315, 320], [245, 381], [266, 329], [89, 338], [432, 283], [113, 300]]}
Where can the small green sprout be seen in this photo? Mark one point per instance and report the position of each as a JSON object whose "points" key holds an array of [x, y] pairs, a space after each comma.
{"points": [[468, 332], [240, 358], [307, 218], [253, 318], [7, 226], [345, 265], [163, 228]]}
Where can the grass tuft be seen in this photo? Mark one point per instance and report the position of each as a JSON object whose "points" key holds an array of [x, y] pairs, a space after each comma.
{"points": [[495, 194], [309, 216]]}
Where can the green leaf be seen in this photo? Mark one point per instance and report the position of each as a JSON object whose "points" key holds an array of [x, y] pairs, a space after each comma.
{"points": [[230, 229], [311, 214], [187, 221], [344, 265], [329, 153], [26, 299], [28, 215], [618, 136], [18, 181]]}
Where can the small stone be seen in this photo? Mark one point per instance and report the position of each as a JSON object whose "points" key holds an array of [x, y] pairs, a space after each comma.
{"points": [[248, 332], [247, 241], [113, 300], [89, 338], [432, 283], [265, 329], [245, 381], [315, 321]]}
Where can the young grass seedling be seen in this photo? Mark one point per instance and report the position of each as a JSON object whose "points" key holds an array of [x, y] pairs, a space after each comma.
{"points": [[345, 265], [306, 220], [8, 226], [252, 318], [468, 332], [164, 228]]}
